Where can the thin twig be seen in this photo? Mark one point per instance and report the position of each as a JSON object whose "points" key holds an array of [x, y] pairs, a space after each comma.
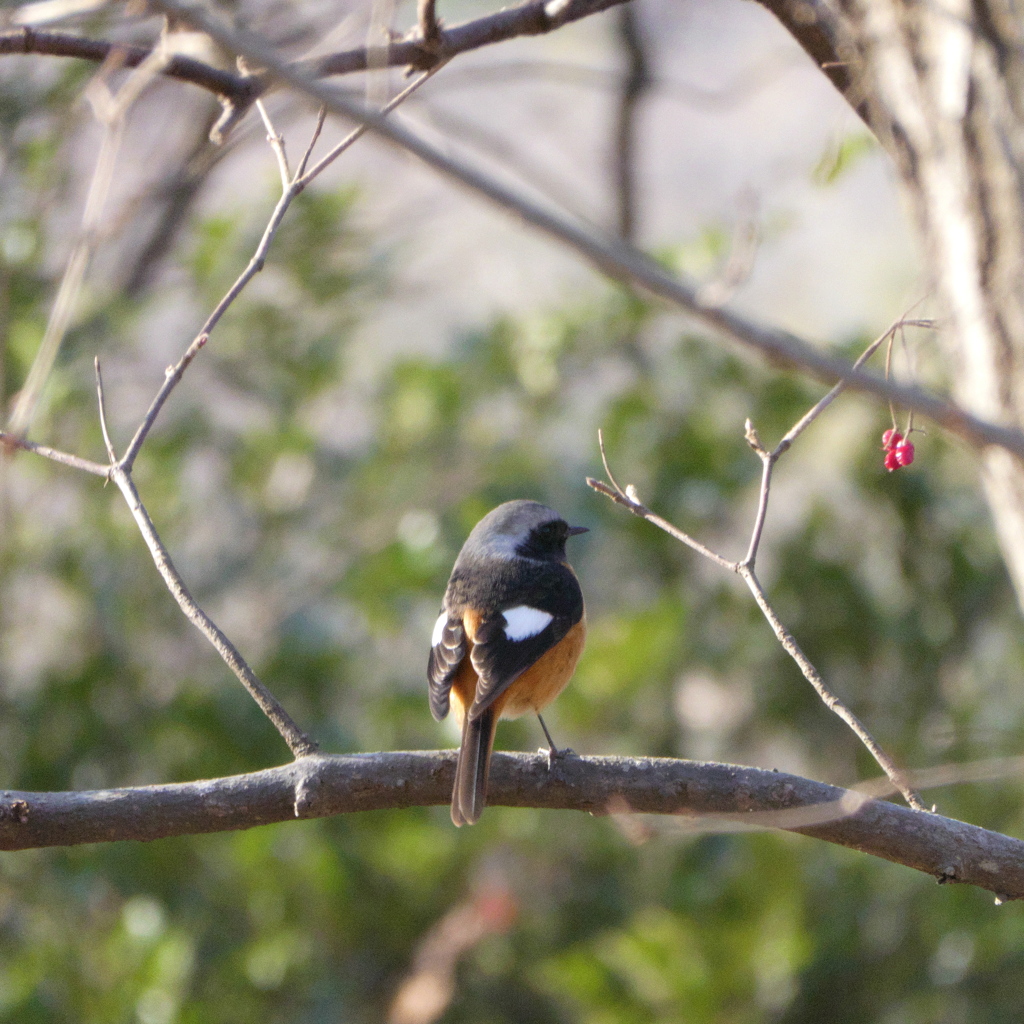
{"points": [[810, 673], [254, 266], [812, 414], [746, 570], [767, 467], [171, 378], [888, 367], [629, 500], [359, 132], [895, 774], [818, 409], [13, 442], [298, 742], [769, 458], [604, 461], [320, 118], [120, 470], [103, 411], [276, 141]]}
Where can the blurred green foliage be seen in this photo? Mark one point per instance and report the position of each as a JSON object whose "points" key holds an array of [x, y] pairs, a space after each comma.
{"points": [[316, 515], [842, 156]]}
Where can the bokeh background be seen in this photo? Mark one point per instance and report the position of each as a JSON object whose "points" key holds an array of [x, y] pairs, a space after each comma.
{"points": [[408, 359]]}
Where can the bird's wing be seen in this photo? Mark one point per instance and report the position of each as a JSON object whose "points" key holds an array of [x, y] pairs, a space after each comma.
{"points": [[506, 644], [448, 648]]}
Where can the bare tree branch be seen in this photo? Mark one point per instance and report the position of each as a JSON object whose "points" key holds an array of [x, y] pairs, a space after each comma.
{"points": [[292, 186], [298, 742], [171, 379], [101, 402], [613, 257], [12, 442], [323, 785], [430, 27], [185, 69], [276, 140], [629, 499], [635, 83], [416, 50], [120, 472]]}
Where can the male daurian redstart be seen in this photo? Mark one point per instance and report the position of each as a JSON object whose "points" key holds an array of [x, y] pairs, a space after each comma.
{"points": [[511, 630]]}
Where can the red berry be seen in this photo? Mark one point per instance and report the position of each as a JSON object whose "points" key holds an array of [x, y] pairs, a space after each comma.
{"points": [[891, 462], [904, 453], [890, 439]]}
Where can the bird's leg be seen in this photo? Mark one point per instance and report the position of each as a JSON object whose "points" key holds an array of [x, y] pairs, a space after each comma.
{"points": [[552, 751]]}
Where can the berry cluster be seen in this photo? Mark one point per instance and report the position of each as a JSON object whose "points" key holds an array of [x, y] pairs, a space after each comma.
{"points": [[897, 451]]}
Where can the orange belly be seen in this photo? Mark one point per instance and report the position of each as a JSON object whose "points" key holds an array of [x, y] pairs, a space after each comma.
{"points": [[535, 689]]}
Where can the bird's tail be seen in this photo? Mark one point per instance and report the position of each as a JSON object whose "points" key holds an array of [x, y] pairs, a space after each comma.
{"points": [[473, 767]]}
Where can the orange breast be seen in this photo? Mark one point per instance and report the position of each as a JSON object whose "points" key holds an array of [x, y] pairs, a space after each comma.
{"points": [[535, 689], [545, 679]]}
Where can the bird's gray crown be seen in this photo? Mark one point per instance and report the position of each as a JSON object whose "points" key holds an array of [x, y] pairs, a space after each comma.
{"points": [[500, 533]]}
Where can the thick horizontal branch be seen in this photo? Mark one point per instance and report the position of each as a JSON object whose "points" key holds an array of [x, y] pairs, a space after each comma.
{"points": [[530, 19], [240, 89], [720, 795]]}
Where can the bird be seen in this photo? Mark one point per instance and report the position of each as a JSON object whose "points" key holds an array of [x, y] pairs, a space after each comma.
{"points": [[511, 630]]}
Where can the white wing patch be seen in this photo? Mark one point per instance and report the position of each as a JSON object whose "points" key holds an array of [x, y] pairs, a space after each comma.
{"points": [[442, 621], [522, 622]]}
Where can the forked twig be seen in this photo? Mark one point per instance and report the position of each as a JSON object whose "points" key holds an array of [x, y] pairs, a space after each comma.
{"points": [[298, 182], [769, 458], [628, 499], [120, 470], [302, 180]]}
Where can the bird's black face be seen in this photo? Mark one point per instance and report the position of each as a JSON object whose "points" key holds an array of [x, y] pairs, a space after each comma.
{"points": [[548, 540]]}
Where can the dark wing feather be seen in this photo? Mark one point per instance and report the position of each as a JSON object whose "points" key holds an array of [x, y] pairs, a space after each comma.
{"points": [[499, 662], [445, 658]]}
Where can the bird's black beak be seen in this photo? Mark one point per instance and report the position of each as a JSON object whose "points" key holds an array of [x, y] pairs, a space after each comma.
{"points": [[575, 531]]}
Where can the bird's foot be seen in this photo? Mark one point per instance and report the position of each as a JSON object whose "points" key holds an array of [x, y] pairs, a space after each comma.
{"points": [[553, 754]]}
